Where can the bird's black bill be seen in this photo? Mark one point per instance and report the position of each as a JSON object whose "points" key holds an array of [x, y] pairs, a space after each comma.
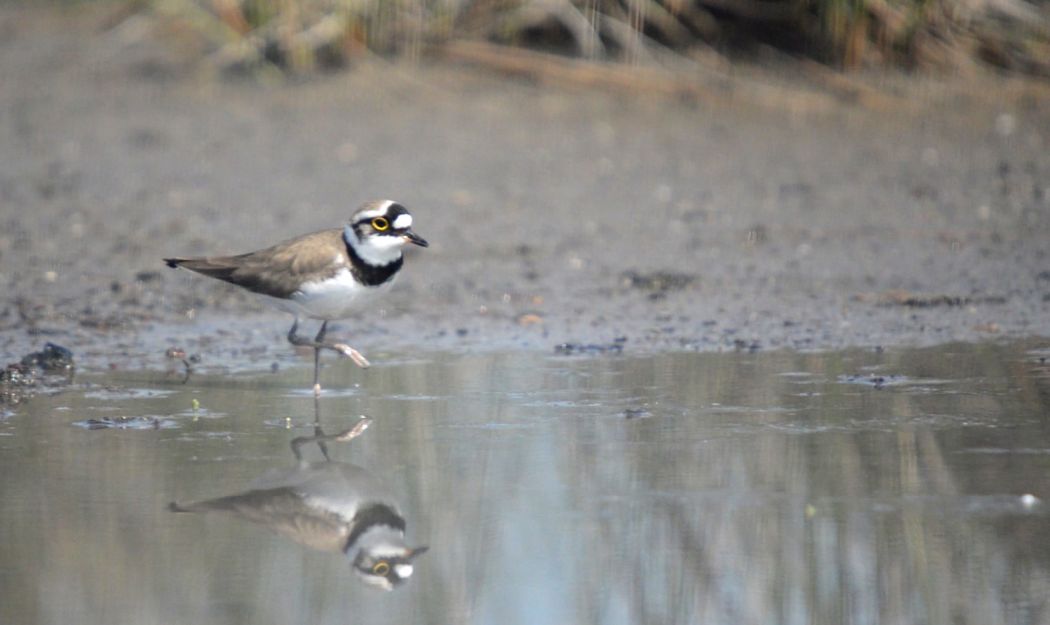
{"points": [[412, 237]]}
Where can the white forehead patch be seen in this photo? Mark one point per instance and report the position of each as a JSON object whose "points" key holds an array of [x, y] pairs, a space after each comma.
{"points": [[404, 220], [385, 549], [378, 211], [403, 570]]}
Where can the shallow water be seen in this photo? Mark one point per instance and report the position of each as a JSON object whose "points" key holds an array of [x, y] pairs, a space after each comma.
{"points": [[851, 487]]}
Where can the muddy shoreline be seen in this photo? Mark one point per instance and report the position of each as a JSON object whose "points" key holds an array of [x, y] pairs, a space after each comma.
{"points": [[555, 216]]}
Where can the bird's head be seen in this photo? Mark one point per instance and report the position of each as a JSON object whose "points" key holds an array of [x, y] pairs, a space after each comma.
{"points": [[378, 231]]}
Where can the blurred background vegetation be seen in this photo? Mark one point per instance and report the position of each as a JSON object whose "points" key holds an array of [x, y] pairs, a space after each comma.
{"points": [[301, 36]]}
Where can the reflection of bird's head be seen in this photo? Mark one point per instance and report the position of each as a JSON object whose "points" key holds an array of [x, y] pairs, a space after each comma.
{"points": [[387, 564], [376, 547]]}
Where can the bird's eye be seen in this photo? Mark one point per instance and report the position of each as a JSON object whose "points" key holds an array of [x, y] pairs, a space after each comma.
{"points": [[381, 567], [380, 223]]}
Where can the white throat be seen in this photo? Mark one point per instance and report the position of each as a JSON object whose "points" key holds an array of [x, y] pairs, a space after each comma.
{"points": [[376, 251]]}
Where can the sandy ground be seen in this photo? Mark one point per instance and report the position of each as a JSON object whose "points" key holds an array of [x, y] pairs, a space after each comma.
{"points": [[554, 215]]}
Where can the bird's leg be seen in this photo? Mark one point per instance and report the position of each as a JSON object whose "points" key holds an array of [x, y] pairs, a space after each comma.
{"points": [[302, 341], [295, 339], [345, 350], [319, 343], [318, 430], [342, 348], [320, 437]]}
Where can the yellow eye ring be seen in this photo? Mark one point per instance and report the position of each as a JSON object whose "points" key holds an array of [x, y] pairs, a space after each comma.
{"points": [[381, 568], [380, 223]]}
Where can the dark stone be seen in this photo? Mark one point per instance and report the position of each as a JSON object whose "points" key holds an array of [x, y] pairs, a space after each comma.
{"points": [[52, 359]]}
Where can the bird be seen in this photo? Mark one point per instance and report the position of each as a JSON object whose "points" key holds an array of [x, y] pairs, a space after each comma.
{"points": [[324, 275], [329, 506]]}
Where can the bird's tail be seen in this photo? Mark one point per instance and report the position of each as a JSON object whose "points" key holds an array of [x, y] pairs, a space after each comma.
{"points": [[220, 268]]}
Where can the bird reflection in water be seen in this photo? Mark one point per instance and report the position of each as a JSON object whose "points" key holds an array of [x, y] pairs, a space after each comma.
{"points": [[330, 506]]}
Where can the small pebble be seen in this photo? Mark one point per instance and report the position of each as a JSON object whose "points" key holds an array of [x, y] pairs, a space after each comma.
{"points": [[1005, 124], [175, 353]]}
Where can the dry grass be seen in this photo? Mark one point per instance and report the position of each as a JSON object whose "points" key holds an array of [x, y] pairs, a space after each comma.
{"points": [[304, 35]]}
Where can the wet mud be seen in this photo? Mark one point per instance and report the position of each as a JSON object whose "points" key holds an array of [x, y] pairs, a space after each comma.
{"points": [[557, 217]]}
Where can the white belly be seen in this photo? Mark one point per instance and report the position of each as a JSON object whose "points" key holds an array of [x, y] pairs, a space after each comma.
{"points": [[335, 298]]}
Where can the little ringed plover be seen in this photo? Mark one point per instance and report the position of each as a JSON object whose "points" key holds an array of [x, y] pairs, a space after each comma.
{"points": [[324, 275]]}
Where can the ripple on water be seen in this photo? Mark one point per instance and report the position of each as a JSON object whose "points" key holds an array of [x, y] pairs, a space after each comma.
{"points": [[120, 394], [878, 381], [491, 426], [400, 397], [800, 375], [145, 422], [200, 413], [352, 391], [716, 408], [1040, 355], [1031, 451], [193, 437], [290, 423]]}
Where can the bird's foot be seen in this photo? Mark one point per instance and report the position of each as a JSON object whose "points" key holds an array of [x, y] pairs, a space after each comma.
{"points": [[358, 429], [351, 353]]}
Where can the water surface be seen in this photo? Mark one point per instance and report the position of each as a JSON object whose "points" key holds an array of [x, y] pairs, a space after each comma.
{"points": [[849, 487]]}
